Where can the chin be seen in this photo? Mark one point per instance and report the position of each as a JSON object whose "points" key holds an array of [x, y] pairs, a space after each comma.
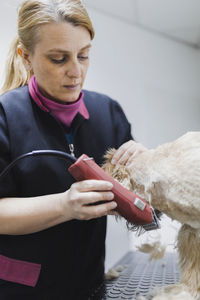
{"points": [[70, 97], [66, 98]]}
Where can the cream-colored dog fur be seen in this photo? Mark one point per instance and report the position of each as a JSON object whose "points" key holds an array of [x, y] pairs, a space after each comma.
{"points": [[168, 177]]}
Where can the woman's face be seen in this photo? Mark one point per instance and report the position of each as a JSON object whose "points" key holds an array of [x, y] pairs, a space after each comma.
{"points": [[60, 60]]}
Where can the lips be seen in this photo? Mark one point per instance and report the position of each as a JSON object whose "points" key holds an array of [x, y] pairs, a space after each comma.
{"points": [[71, 86]]}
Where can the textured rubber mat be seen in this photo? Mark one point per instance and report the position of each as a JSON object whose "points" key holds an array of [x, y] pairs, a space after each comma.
{"points": [[140, 276]]}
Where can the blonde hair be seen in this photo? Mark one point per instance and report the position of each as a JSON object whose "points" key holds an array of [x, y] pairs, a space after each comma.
{"points": [[31, 15]]}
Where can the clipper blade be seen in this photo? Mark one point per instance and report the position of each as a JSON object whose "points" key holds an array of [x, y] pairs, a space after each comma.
{"points": [[154, 225]]}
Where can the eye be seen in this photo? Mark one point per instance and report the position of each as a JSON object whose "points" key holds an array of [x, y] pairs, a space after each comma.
{"points": [[83, 57], [58, 61]]}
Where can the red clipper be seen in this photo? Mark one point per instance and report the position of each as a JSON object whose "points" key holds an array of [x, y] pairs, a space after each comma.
{"points": [[129, 205]]}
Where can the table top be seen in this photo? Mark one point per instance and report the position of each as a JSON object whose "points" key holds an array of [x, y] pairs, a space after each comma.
{"points": [[139, 276]]}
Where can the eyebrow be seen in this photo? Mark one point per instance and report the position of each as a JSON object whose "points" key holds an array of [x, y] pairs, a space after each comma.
{"points": [[65, 51]]}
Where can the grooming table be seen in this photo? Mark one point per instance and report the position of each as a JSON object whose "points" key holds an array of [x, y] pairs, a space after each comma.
{"points": [[140, 276]]}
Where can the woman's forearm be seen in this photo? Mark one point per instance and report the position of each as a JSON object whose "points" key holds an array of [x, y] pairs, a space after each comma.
{"points": [[28, 215]]}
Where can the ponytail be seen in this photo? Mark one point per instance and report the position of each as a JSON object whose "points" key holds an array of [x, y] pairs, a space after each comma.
{"points": [[16, 74]]}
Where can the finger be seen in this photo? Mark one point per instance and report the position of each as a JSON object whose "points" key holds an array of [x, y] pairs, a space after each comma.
{"points": [[89, 198], [92, 185], [119, 153], [114, 213], [132, 157], [99, 210], [130, 153]]}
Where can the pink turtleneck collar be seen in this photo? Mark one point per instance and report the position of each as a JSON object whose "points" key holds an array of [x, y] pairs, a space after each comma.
{"points": [[65, 113]]}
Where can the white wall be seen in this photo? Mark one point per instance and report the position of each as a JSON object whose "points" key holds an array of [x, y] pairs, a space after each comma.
{"points": [[8, 17], [157, 82]]}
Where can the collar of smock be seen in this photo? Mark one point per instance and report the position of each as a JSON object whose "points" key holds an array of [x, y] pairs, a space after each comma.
{"points": [[65, 113]]}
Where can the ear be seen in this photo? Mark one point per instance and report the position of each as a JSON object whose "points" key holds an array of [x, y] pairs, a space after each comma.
{"points": [[25, 55]]}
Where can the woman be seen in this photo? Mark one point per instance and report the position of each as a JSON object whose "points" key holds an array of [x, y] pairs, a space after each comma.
{"points": [[52, 235]]}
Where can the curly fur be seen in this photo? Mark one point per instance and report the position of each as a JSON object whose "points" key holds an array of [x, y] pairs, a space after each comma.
{"points": [[168, 177], [122, 175]]}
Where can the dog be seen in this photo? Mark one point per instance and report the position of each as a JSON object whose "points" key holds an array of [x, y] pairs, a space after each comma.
{"points": [[168, 177]]}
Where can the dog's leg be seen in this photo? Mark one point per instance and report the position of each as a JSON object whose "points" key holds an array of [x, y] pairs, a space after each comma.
{"points": [[189, 256], [172, 292], [189, 261]]}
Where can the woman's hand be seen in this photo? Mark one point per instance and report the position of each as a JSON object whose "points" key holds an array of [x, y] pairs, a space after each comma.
{"points": [[127, 152], [79, 201]]}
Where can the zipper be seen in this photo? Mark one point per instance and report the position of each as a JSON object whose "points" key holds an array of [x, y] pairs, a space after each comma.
{"points": [[68, 135], [71, 145]]}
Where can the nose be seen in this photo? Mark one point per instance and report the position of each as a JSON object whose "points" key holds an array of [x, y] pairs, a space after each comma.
{"points": [[74, 69]]}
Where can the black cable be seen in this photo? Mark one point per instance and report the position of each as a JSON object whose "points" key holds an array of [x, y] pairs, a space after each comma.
{"points": [[56, 153]]}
